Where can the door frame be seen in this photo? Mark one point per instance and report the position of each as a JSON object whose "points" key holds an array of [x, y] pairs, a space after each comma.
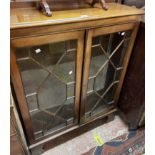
{"points": [[17, 81], [93, 32]]}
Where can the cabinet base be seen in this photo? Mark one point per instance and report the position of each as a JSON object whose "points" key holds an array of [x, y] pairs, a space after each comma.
{"points": [[37, 150]]}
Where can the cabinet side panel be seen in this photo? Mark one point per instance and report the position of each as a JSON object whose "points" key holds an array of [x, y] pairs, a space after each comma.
{"points": [[17, 83], [132, 98]]}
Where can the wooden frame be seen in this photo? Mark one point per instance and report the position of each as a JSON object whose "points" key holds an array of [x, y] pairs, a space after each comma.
{"points": [[87, 58], [16, 78], [39, 29], [126, 61]]}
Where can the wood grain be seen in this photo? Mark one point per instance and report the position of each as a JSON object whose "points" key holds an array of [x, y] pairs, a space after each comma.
{"points": [[30, 17], [87, 58]]}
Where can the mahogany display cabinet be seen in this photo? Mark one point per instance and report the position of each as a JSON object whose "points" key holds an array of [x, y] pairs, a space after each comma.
{"points": [[67, 70]]}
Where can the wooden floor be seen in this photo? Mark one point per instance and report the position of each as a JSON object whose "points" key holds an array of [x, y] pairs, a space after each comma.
{"points": [[86, 141]]}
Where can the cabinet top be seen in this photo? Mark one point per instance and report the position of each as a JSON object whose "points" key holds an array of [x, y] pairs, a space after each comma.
{"points": [[30, 17]]}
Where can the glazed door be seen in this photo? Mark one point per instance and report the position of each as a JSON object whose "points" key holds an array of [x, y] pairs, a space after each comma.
{"points": [[106, 57], [46, 74]]}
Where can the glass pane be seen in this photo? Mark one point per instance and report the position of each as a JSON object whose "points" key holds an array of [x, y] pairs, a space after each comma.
{"points": [[48, 76], [105, 68]]}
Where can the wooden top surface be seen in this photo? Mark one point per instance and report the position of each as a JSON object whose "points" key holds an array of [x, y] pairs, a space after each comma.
{"points": [[29, 17]]}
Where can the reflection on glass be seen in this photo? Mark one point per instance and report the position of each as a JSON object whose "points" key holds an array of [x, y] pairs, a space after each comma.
{"points": [[48, 76], [105, 68]]}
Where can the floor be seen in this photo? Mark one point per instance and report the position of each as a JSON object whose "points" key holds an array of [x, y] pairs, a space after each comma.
{"points": [[86, 141]]}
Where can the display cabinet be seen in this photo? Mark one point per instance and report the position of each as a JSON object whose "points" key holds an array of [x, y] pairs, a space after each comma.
{"points": [[67, 70]]}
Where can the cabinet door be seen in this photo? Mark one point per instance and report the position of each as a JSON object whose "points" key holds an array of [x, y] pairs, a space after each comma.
{"points": [[106, 57], [46, 74]]}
